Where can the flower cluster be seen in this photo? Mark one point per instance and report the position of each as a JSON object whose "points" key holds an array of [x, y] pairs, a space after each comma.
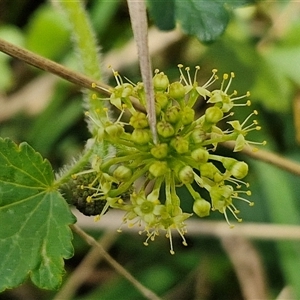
{"points": [[148, 173]]}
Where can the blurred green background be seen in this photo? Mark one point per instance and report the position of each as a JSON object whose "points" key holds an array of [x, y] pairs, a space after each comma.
{"points": [[261, 45]]}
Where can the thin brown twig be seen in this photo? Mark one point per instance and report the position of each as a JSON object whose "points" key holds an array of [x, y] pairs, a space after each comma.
{"points": [[53, 67], [85, 268], [286, 293], [119, 268], [197, 227], [248, 267]]}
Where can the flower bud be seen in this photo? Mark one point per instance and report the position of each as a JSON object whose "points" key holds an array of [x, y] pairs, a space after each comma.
{"points": [[127, 90], [200, 155], [100, 133], [114, 130], [240, 143], [239, 170], [115, 100], [157, 109], [180, 145], [160, 82], [221, 196], [139, 120], [122, 173], [176, 91], [186, 175], [218, 177], [209, 170], [140, 91], [162, 99], [141, 136], [146, 207], [158, 168], [165, 129], [105, 183], [172, 114], [160, 151], [201, 207], [187, 115], [213, 115], [198, 135]]}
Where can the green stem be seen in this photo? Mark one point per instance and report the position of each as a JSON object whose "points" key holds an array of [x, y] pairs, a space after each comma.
{"points": [[188, 161], [227, 137], [124, 142], [136, 157], [175, 198], [194, 95], [124, 187], [216, 157], [158, 183], [79, 166], [168, 188], [193, 193], [89, 58], [86, 48], [84, 37]]}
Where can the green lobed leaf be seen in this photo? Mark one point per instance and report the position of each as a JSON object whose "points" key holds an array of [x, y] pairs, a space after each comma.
{"points": [[205, 13], [163, 13], [239, 3], [34, 219], [206, 20]]}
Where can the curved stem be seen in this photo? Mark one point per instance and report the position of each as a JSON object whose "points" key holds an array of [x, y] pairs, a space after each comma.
{"points": [[53, 67], [79, 166], [83, 37], [124, 187], [86, 268], [148, 294], [137, 158], [89, 58]]}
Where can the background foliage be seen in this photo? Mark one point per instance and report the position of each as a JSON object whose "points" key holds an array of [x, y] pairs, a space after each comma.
{"points": [[260, 44]]}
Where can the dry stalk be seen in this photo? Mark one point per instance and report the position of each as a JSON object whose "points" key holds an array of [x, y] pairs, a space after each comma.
{"points": [[248, 267]]}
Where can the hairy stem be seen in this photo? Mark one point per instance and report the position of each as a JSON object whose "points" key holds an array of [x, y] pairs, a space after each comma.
{"points": [[90, 60], [83, 38], [79, 166]]}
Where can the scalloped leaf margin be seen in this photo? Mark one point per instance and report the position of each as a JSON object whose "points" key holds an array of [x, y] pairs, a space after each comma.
{"points": [[35, 235]]}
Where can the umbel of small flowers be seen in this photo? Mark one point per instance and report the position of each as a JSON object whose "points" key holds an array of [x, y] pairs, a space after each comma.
{"points": [[141, 177]]}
